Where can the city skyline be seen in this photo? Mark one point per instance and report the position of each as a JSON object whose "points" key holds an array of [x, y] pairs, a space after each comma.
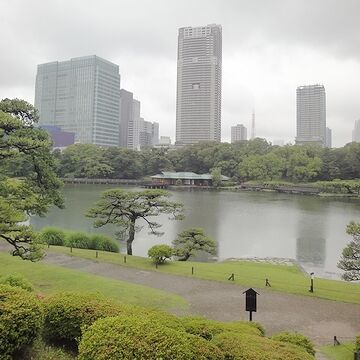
{"points": [[268, 51]]}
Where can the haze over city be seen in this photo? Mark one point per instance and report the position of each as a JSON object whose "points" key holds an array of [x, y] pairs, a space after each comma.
{"points": [[269, 49]]}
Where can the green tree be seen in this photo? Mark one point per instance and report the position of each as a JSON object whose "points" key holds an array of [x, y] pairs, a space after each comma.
{"points": [[192, 240], [38, 187], [216, 177], [159, 253], [123, 208], [350, 259]]}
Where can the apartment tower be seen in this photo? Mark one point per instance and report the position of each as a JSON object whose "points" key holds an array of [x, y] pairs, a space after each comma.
{"points": [[80, 95], [198, 101], [356, 131], [311, 115], [238, 133]]}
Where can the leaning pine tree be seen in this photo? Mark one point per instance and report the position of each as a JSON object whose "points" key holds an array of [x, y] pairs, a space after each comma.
{"points": [[124, 208], [350, 259]]}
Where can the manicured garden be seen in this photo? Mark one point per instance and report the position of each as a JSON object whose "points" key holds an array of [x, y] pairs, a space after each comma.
{"points": [[284, 278]]}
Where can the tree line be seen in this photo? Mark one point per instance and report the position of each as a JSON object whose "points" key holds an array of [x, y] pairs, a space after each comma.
{"points": [[248, 160]]}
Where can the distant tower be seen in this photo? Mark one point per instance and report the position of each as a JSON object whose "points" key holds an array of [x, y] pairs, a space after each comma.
{"points": [[253, 125], [356, 131]]}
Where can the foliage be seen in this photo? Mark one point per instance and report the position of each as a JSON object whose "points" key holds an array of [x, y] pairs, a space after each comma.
{"points": [[207, 329], [357, 343], [159, 253], [67, 313], [340, 186], [340, 352], [31, 189], [296, 339], [350, 258], [17, 280], [216, 177], [138, 338], [192, 240], [81, 240], [123, 208], [104, 243], [238, 346], [42, 351], [20, 320], [52, 236]]}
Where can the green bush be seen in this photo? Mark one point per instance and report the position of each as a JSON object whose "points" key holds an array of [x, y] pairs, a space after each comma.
{"points": [[296, 339], [52, 236], [207, 329], [21, 318], [237, 346], [67, 313], [78, 239], [159, 253], [104, 243], [42, 351], [137, 337], [357, 343], [17, 280]]}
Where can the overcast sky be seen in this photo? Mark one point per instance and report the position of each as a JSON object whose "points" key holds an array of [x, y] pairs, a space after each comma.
{"points": [[269, 48]]}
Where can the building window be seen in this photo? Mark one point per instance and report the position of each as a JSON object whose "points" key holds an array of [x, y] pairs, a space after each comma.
{"points": [[195, 86]]}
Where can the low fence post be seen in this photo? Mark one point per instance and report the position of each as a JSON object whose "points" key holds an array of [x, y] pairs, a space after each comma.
{"points": [[192, 270], [97, 254], [71, 249], [124, 259]]}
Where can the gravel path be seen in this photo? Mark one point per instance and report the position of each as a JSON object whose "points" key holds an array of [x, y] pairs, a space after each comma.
{"points": [[319, 319]]}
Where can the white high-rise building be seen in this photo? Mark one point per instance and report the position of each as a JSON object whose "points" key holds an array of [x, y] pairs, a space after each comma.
{"points": [[238, 133], [311, 115], [198, 101], [80, 95], [328, 138], [356, 131]]}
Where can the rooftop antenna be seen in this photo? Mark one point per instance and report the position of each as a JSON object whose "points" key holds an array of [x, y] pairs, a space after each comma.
{"points": [[253, 125]]}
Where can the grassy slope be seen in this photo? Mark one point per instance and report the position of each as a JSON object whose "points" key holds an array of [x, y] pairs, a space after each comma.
{"points": [[247, 273], [341, 352], [48, 279]]}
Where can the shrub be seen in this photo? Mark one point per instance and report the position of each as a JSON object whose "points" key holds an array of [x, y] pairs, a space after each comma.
{"points": [[137, 337], [20, 320], [357, 343], [104, 243], [17, 280], [78, 240], [238, 346], [52, 236], [67, 313], [207, 329], [296, 339], [159, 253]]}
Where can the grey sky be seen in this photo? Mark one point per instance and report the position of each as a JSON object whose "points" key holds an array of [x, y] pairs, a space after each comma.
{"points": [[269, 48]]}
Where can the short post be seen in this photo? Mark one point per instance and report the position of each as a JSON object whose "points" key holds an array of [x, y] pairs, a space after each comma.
{"points": [[267, 283], [250, 316], [156, 265], [311, 283], [124, 259], [48, 246], [71, 249], [232, 277], [336, 341], [192, 270], [97, 254]]}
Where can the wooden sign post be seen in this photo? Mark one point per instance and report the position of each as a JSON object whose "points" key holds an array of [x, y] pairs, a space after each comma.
{"points": [[250, 301]]}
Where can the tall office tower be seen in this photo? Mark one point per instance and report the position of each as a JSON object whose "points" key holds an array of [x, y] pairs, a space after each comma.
{"points": [[328, 138], [155, 133], [311, 114], [198, 99], [238, 133], [356, 131], [134, 127], [126, 115], [80, 95]]}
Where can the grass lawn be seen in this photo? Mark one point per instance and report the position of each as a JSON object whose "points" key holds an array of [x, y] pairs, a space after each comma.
{"points": [[284, 278], [341, 352], [48, 279]]}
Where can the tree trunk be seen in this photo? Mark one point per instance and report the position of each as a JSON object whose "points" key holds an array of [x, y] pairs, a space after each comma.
{"points": [[131, 237]]}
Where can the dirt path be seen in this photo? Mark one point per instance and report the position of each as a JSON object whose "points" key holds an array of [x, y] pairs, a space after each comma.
{"points": [[316, 318]]}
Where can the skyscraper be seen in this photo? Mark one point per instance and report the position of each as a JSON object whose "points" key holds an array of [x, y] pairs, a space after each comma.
{"points": [[356, 131], [328, 138], [311, 114], [198, 101], [238, 133], [80, 95]]}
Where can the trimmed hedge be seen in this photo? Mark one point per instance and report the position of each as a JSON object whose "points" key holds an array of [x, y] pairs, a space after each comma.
{"points": [[67, 313], [124, 337], [52, 236], [159, 253], [21, 318], [207, 329], [77, 239], [17, 280], [296, 339], [238, 346]]}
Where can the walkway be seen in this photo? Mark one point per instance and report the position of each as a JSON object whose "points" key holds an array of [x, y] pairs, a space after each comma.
{"points": [[319, 319]]}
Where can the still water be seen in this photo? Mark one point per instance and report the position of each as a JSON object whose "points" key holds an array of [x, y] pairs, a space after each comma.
{"points": [[245, 224]]}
